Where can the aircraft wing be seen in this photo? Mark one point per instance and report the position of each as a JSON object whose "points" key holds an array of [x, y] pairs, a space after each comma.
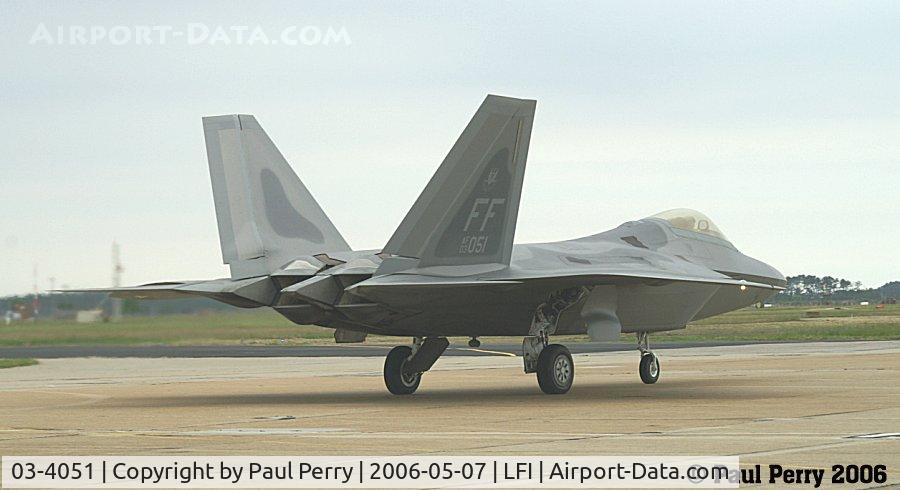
{"points": [[396, 288], [613, 275], [404, 283]]}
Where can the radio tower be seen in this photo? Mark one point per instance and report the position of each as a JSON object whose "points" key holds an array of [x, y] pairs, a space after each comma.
{"points": [[36, 301], [117, 269]]}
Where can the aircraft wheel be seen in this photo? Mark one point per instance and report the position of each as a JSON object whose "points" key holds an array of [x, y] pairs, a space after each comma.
{"points": [[555, 370], [396, 381], [649, 368]]}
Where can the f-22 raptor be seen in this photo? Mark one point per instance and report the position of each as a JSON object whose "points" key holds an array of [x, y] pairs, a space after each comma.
{"points": [[451, 268]]}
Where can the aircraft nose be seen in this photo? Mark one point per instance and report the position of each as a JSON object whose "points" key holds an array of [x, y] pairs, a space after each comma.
{"points": [[767, 270]]}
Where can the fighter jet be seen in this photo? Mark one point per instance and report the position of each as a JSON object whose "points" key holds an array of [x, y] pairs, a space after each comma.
{"points": [[451, 268]]}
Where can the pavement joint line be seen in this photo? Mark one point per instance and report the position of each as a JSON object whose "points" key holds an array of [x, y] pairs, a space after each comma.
{"points": [[350, 433], [801, 449], [508, 354], [876, 435]]}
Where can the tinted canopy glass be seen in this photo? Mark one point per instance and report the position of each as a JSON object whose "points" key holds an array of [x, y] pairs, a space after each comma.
{"points": [[691, 220]]}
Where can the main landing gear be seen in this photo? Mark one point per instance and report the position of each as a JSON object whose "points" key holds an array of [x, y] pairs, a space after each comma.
{"points": [[555, 369], [405, 364], [649, 367], [551, 362]]}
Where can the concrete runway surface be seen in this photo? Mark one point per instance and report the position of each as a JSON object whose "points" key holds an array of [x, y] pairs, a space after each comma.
{"points": [[804, 405]]}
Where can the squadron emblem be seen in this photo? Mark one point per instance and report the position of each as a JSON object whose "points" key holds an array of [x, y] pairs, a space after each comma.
{"points": [[491, 179]]}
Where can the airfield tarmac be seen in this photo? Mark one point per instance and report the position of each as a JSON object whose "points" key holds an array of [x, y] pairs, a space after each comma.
{"points": [[803, 405]]}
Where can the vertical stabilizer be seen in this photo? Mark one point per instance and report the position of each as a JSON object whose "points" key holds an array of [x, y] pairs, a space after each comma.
{"points": [[467, 213], [266, 216]]}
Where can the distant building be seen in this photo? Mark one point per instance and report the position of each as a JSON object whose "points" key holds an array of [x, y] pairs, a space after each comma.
{"points": [[12, 316], [89, 316]]}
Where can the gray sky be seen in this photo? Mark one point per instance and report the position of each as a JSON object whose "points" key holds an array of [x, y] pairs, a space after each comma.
{"points": [[780, 120]]}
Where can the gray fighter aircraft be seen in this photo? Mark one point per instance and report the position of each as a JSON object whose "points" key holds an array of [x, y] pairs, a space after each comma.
{"points": [[451, 268]]}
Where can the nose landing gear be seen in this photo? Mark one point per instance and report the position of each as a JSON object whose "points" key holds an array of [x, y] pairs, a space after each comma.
{"points": [[474, 343]]}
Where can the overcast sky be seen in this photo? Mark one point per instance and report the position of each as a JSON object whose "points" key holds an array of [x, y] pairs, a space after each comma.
{"points": [[779, 120]]}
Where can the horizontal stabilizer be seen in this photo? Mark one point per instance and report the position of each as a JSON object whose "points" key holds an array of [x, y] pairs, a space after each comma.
{"points": [[163, 290], [245, 293]]}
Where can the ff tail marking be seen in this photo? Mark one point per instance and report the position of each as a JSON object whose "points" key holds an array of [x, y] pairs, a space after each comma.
{"points": [[467, 213]]}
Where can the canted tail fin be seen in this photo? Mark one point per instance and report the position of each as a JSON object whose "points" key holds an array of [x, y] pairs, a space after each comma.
{"points": [[266, 216], [467, 213]]}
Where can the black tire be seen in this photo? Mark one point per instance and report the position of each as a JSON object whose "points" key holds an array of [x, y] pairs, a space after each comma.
{"points": [[649, 368], [397, 382], [556, 371]]}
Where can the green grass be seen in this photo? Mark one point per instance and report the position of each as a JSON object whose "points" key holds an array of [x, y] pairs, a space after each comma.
{"points": [[265, 327], [11, 363], [258, 326], [795, 323]]}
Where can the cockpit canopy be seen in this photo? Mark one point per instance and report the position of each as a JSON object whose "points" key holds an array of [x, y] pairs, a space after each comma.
{"points": [[690, 220]]}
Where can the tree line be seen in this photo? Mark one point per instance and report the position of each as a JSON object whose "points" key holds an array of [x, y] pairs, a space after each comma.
{"points": [[807, 288]]}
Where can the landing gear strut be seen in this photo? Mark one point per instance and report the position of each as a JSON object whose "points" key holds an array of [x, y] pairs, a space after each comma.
{"points": [[649, 367], [405, 364], [551, 362]]}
